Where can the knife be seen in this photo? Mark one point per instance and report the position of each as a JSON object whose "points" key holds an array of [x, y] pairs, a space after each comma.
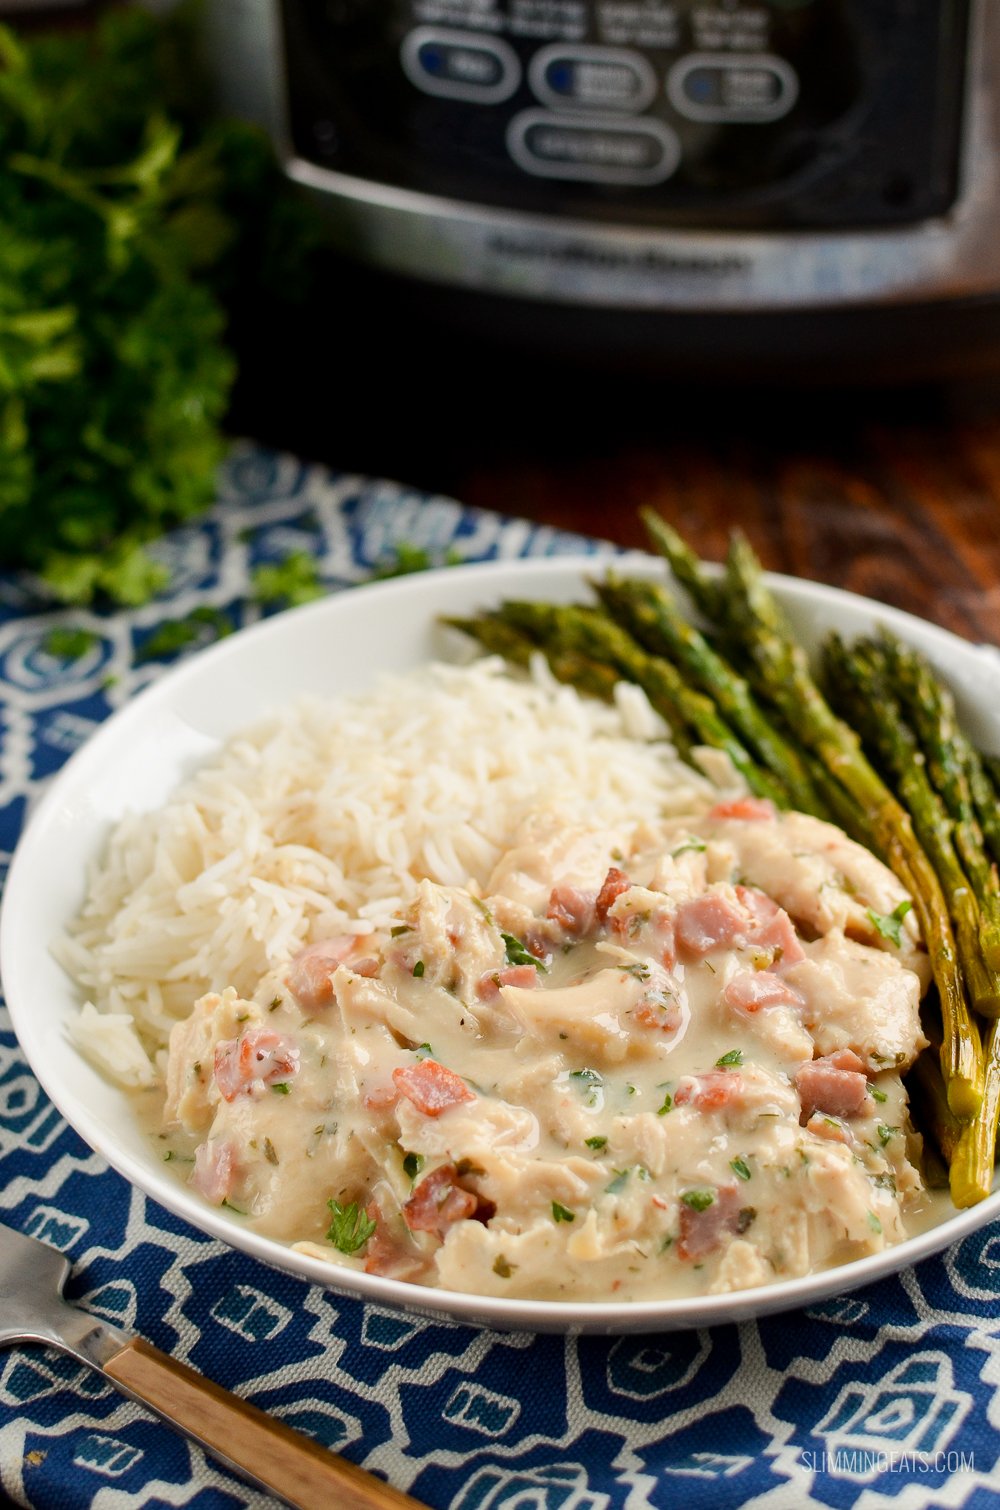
{"points": [[263, 1451]]}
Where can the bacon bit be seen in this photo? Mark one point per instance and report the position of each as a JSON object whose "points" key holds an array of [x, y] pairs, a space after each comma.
{"points": [[524, 976], [440, 1200], [709, 922], [753, 989], [257, 1058], [749, 809], [666, 1017], [309, 974], [368, 967], [709, 1092], [702, 1231], [388, 1254], [826, 1127], [573, 910], [614, 883], [215, 1170], [835, 1084], [431, 1087]]}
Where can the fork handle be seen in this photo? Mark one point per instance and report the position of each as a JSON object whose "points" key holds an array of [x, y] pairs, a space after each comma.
{"points": [[268, 1452]]}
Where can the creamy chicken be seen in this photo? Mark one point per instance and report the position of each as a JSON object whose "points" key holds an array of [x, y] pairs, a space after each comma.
{"points": [[643, 1063]]}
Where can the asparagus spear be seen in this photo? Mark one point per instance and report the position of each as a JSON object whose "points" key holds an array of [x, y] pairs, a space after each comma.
{"points": [[931, 710], [861, 690], [972, 1162], [704, 590], [503, 639], [649, 613], [783, 674], [589, 632]]}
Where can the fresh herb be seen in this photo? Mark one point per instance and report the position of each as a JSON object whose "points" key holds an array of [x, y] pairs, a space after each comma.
{"points": [[697, 846], [517, 954], [885, 1133], [589, 1077], [408, 558], [668, 1105], [274, 1003], [890, 925], [69, 644], [502, 1268], [874, 1222], [596, 1143], [281, 1087], [873, 1090], [423, 1051], [350, 1228], [618, 1183], [418, 969], [413, 1164], [639, 970], [740, 1167], [286, 583], [269, 1152], [400, 929], [698, 1200], [561, 1214], [734, 1056]]}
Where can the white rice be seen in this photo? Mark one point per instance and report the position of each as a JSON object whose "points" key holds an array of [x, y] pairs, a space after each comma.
{"points": [[324, 818]]}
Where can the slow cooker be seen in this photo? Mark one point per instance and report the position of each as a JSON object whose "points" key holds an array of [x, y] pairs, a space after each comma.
{"points": [[676, 157]]}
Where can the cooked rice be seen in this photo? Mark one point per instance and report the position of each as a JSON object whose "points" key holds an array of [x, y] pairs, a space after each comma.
{"points": [[324, 818]]}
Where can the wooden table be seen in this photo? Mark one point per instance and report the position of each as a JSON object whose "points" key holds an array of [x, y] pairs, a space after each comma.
{"points": [[891, 492]]}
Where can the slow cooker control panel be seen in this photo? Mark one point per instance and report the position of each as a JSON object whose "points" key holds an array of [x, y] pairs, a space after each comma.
{"points": [[720, 113]]}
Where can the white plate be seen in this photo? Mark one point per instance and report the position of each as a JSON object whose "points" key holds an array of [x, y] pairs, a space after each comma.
{"points": [[335, 646]]}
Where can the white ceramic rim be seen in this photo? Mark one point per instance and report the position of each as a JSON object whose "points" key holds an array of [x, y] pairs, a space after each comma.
{"points": [[813, 607]]}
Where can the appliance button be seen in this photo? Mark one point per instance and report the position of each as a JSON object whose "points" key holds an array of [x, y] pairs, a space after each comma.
{"points": [[592, 78], [459, 65], [593, 149], [713, 86]]}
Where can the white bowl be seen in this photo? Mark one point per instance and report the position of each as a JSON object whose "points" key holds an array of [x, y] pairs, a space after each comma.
{"points": [[335, 646]]}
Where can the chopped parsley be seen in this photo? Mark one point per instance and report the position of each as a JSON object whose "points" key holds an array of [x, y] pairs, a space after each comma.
{"points": [[734, 1056], [618, 1183], [274, 1004], [518, 954], [270, 1152], [639, 970], [424, 1050], [400, 929], [873, 1090], [885, 1133], [889, 925], [350, 1228], [560, 1213], [418, 968], [697, 846], [596, 1143], [740, 1167], [69, 644], [698, 1200], [502, 1267], [668, 1105], [874, 1222], [281, 1087], [413, 1164]]}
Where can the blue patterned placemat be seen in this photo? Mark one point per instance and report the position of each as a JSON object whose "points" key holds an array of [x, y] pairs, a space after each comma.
{"points": [[888, 1396]]}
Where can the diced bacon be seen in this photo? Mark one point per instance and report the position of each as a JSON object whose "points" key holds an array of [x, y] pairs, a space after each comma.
{"points": [[431, 1087], [780, 935], [749, 809], [215, 1170], [389, 1254], [259, 1057], [440, 1200], [368, 967], [774, 928], [614, 883], [309, 974], [707, 923], [753, 989], [709, 1092], [836, 1085], [702, 1231], [573, 910], [830, 1128], [656, 1013], [488, 985]]}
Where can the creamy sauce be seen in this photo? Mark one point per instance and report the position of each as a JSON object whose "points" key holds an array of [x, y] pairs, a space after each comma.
{"points": [[625, 1071]]}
